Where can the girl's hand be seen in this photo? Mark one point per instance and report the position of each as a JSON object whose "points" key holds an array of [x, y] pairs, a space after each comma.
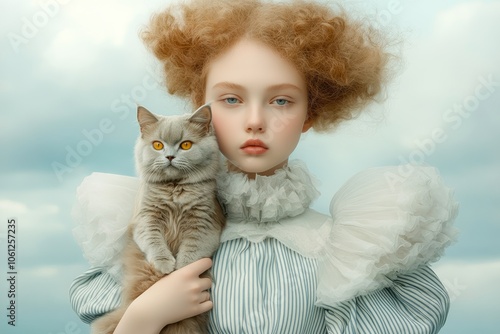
{"points": [[177, 296]]}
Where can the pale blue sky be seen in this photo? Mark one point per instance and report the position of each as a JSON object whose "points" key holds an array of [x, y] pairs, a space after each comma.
{"points": [[68, 67]]}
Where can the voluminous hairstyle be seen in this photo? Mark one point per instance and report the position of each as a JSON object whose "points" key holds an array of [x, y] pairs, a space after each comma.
{"points": [[343, 60]]}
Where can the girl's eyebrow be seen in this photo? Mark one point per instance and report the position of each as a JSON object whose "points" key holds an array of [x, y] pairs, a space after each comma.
{"points": [[284, 86], [229, 85], [232, 85]]}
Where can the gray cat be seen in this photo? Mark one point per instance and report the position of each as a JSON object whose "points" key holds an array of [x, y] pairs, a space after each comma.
{"points": [[178, 219]]}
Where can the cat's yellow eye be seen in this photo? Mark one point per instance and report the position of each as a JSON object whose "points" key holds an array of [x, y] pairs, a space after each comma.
{"points": [[186, 145], [157, 145]]}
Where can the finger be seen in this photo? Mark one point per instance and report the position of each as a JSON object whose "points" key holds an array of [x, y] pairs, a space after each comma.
{"points": [[206, 306], [204, 296], [205, 283], [200, 266]]}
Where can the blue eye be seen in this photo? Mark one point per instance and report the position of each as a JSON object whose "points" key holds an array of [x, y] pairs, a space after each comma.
{"points": [[281, 102], [231, 100]]}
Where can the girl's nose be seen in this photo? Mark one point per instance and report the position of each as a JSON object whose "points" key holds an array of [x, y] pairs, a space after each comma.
{"points": [[256, 119]]}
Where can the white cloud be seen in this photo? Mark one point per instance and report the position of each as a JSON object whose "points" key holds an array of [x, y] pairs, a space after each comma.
{"points": [[44, 272], [444, 67], [467, 32], [102, 22], [12, 207], [35, 220], [463, 16], [87, 27], [86, 30]]}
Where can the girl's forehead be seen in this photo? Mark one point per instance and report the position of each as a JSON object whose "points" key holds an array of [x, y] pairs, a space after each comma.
{"points": [[251, 62]]}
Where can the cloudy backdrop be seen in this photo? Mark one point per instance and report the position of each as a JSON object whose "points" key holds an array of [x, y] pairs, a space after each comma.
{"points": [[71, 71]]}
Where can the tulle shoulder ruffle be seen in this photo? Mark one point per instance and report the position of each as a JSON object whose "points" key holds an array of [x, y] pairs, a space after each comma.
{"points": [[104, 207], [386, 221]]}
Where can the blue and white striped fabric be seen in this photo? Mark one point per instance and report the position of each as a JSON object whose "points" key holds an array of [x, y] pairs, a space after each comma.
{"points": [[265, 287], [94, 293]]}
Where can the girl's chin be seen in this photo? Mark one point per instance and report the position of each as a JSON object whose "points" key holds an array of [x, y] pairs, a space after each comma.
{"points": [[254, 169]]}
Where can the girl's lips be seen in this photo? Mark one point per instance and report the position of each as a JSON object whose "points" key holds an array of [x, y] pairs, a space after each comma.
{"points": [[254, 150], [254, 147]]}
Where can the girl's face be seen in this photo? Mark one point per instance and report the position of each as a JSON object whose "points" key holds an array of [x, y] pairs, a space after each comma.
{"points": [[259, 107]]}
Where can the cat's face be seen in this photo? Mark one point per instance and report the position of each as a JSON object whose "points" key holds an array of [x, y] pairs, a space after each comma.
{"points": [[176, 148]]}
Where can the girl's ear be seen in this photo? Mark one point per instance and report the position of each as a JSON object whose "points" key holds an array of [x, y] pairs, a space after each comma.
{"points": [[307, 125]]}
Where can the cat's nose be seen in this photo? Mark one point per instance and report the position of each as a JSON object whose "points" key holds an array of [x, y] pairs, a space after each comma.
{"points": [[170, 157]]}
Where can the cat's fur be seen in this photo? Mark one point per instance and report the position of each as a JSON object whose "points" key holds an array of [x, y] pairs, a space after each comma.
{"points": [[178, 219]]}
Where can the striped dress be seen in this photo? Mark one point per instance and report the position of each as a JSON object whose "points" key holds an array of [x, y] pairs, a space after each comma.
{"points": [[264, 284], [267, 288]]}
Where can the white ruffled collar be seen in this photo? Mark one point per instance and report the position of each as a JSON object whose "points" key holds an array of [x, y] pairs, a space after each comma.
{"points": [[286, 193]]}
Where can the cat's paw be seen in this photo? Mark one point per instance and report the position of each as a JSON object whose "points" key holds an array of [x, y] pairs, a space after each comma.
{"points": [[165, 265], [180, 264]]}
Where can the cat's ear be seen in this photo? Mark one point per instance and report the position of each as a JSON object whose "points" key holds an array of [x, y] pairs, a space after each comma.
{"points": [[145, 118], [202, 116]]}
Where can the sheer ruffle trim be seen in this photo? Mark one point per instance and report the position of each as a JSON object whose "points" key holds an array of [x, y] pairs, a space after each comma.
{"points": [[104, 207], [386, 221], [286, 193]]}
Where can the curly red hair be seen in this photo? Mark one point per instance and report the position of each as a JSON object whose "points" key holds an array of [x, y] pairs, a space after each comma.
{"points": [[344, 61]]}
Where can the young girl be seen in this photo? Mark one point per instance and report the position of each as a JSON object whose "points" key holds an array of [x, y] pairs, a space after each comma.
{"points": [[271, 72]]}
